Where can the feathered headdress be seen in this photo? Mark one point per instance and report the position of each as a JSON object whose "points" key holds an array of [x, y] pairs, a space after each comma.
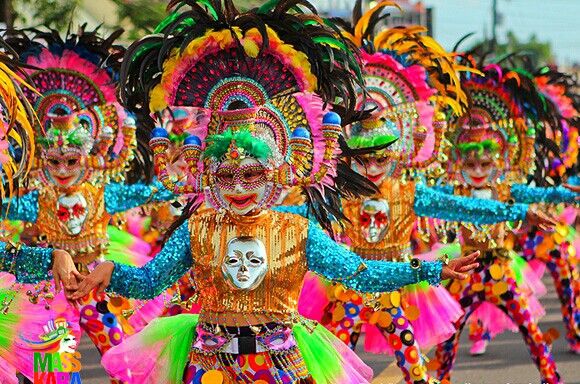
{"points": [[76, 78], [560, 89], [410, 79], [507, 112], [272, 72], [17, 118]]}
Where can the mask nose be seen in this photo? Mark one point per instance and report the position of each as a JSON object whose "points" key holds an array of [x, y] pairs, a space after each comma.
{"points": [[243, 268]]}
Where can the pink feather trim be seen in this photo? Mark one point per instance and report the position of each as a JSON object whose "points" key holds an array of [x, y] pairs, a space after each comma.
{"points": [[426, 113], [315, 110], [416, 78], [70, 60], [415, 74]]}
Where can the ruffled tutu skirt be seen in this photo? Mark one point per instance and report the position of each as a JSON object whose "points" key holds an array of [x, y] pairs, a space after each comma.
{"points": [[436, 313], [159, 354], [24, 323], [494, 320], [431, 310], [313, 298], [125, 248]]}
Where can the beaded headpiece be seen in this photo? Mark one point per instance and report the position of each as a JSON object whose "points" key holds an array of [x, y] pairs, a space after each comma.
{"points": [[76, 100], [505, 113], [16, 132], [410, 79], [271, 73]]}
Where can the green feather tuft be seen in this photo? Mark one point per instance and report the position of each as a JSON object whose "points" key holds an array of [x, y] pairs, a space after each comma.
{"points": [[369, 142], [478, 147], [219, 144]]}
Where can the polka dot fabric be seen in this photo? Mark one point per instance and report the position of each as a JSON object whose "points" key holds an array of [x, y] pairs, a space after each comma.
{"points": [[256, 368], [494, 281], [346, 315], [100, 324]]}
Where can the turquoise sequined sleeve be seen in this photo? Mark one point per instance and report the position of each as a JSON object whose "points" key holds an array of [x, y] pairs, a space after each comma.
{"points": [[448, 189], [29, 265], [301, 210], [24, 208], [164, 270], [525, 194], [122, 197], [432, 203], [336, 263]]}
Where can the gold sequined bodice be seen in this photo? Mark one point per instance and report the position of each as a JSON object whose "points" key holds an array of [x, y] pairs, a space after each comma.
{"points": [[497, 232], [395, 245], [284, 239], [74, 220]]}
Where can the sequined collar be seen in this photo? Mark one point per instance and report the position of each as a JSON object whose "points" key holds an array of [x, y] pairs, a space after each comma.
{"points": [[248, 219]]}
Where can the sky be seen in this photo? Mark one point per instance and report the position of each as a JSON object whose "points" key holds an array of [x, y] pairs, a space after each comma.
{"points": [[556, 21]]}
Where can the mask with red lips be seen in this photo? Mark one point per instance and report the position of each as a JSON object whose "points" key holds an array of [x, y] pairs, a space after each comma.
{"points": [[65, 148], [64, 169], [478, 170], [374, 168], [241, 185]]}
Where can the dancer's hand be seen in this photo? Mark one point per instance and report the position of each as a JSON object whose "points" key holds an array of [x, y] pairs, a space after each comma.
{"points": [[541, 219], [573, 188], [100, 277], [64, 271], [458, 268]]}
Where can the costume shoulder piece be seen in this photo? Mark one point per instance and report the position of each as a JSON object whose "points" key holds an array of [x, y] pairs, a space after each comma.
{"points": [[258, 84]]}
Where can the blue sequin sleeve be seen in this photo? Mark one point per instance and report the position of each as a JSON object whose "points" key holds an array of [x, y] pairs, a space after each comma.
{"points": [[525, 194], [122, 197], [29, 265], [24, 208], [448, 189], [432, 203], [164, 270], [337, 263], [301, 210]]}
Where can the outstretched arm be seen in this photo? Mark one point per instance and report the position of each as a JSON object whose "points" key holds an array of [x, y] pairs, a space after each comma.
{"points": [[336, 263], [122, 197], [434, 203], [525, 194], [28, 264], [147, 281], [23, 208], [301, 210]]}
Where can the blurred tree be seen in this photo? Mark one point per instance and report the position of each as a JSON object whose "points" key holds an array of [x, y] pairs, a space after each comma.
{"points": [[138, 17], [537, 53], [144, 15], [141, 15], [55, 14]]}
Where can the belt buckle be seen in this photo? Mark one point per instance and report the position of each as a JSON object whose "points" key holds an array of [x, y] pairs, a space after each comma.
{"points": [[246, 345]]}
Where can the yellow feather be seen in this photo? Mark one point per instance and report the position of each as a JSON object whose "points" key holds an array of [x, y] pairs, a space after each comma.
{"points": [[20, 114], [361, 27]]}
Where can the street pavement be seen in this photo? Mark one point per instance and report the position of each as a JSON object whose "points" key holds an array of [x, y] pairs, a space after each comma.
{"points": [[506, 361]]}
